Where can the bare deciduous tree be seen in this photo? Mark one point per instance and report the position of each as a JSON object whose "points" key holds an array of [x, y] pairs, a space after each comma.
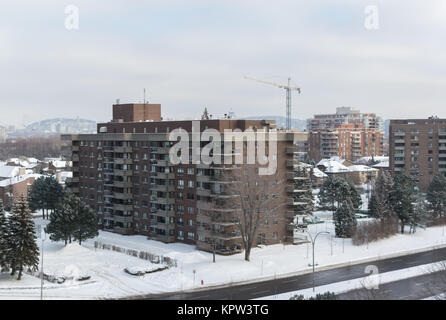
{"points": [[256, 199]]}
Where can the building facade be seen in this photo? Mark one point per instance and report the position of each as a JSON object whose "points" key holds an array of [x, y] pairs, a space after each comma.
{"points": [[345, 116], [125, 175], [417, 147], [349, 141]]}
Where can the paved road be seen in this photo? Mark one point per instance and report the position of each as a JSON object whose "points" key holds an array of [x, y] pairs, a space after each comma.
{"points": [[293, 283], [415, 288]]}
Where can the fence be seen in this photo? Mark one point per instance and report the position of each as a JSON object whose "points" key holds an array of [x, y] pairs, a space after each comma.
{"points": [[153, 258]]}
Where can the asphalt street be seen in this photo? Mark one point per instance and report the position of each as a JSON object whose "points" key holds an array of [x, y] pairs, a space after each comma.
{"points": [[293, 283]]}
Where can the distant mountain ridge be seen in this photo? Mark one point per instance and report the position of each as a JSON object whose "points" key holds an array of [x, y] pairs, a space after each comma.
{"points": [[298, 124], [56, 126]]}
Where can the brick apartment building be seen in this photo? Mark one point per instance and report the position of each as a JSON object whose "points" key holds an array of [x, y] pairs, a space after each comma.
{"points": [[124, 173], [417, 147], [14, 187], [349, 134]]}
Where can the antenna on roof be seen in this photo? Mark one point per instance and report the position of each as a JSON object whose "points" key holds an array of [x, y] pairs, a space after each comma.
{"points": [[144, 98]]}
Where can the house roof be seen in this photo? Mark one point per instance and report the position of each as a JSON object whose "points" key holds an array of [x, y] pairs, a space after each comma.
{"points": [[8, 171]]}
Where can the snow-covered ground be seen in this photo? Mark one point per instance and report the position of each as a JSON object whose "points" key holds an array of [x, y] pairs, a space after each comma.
{"points": [[108, 279]]}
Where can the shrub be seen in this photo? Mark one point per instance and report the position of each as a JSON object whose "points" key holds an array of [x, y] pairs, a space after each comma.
{"points": [[370, 231]]}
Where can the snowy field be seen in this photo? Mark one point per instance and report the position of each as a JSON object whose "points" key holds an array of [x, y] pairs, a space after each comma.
{"points": [[108, 279]]}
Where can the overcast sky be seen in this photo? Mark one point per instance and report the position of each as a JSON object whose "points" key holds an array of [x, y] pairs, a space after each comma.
{"points": [[191, 54]]}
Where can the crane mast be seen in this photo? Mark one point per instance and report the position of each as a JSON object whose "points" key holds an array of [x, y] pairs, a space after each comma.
{"points": [[288, 90]]}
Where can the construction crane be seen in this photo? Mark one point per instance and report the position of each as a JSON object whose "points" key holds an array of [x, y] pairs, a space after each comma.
{"points": [[288, 88]]}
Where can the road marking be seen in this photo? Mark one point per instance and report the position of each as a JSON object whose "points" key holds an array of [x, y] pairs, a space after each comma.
{"points": [[387, 291], [396, 260], [403, 297], [421, 283]]}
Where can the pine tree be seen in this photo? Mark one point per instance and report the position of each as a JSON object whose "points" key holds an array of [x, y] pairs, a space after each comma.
{"points": [[303, 191], [22, 248], [418, 215], [45, 193], [62, 222], [345, 219], [54, 193], [86, 223], [436, 195], [36, 195], [380, 205], [4, 235], [334, 191], [72, 219], [402, 198]]}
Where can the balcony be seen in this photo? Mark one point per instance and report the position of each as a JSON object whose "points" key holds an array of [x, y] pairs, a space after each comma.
{"points": [[162, 200], [122, 207], [122, 161], [203, 192], [203, 178], [75, 157], [122, 196], [122, 149], [123, 219], [290, 150], [74, 148], [123, 173], [122, 184]]}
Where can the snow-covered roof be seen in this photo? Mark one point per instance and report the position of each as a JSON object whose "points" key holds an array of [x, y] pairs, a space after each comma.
{"points": [[9, 171], [333, 166], [19, 162], [383, 164], [60, 163], [17, 179], [367, 160], [360, 167], [318, 173], [325, 162], [64, 175]]}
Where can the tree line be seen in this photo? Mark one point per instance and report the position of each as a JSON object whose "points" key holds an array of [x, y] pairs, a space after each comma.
{"points": [[70, 220]]}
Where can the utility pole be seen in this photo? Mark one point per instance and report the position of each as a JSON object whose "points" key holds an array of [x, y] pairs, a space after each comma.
{"points": [[313, 241]]}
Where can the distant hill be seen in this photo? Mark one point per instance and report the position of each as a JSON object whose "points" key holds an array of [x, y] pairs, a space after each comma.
{"points": [[298, 124], [56, 126]]}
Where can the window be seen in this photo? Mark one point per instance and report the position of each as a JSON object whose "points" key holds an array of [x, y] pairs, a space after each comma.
{"points": [[190, 170], [180, 184], [190, 184], [191, 235], [190, 210], [190, 222]]}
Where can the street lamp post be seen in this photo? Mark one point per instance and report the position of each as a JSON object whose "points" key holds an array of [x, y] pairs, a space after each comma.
{"points": [[313, 241]]}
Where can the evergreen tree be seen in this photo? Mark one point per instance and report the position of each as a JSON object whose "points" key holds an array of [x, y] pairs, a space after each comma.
{"points": [[54, 193], [86, 223], [402, 198], [380, 205], [345, 219], [334, 191], [37, 195], [62, 222], [303, 195], [436, 195], [419, 214], [72, 219], [4, 235], [22, 248], [45, 193]]}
